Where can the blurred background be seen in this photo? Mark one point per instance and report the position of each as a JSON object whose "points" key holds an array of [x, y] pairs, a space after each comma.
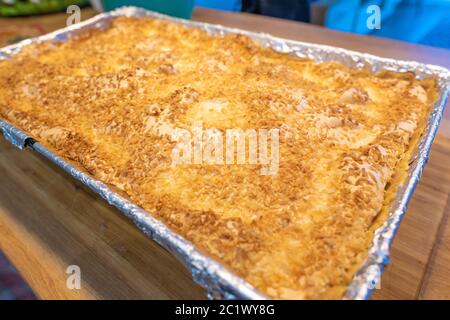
{"points": [[417, 21], [424, 22]]}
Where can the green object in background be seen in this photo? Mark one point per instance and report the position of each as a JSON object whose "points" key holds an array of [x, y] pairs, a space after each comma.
{"points": [[176, 8], [14, 8]]}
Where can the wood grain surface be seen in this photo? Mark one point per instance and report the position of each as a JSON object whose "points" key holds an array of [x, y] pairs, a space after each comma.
{"points": [[49, 222]]}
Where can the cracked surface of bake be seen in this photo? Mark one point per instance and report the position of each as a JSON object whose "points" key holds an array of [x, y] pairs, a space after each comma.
{"points": [[108, 100]]}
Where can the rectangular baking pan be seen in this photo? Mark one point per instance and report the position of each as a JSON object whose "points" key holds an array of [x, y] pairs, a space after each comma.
{"points": [[220, 282]]}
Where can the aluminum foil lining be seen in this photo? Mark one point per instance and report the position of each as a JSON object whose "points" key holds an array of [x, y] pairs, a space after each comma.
{"points": [[220, 282], [15, 137]]}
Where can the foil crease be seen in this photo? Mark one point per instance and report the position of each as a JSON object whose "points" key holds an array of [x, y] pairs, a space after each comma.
{"points": [[16, 137], [219, 282]]}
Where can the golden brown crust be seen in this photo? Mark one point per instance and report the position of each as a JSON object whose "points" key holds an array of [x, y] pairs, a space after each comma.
{"points": [[107, 100]]}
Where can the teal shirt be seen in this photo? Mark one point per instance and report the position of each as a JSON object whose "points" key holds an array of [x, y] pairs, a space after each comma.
{"points": [[419, 21]]}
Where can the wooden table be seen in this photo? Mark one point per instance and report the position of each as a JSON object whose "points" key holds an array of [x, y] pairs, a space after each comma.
{"points": [[48, 221]]}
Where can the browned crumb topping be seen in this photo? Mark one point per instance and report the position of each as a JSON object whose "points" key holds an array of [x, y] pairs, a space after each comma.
{"points": [[108, 101]]}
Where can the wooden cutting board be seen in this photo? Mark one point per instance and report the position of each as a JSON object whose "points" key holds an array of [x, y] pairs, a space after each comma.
{"points": [[49, 222]]}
